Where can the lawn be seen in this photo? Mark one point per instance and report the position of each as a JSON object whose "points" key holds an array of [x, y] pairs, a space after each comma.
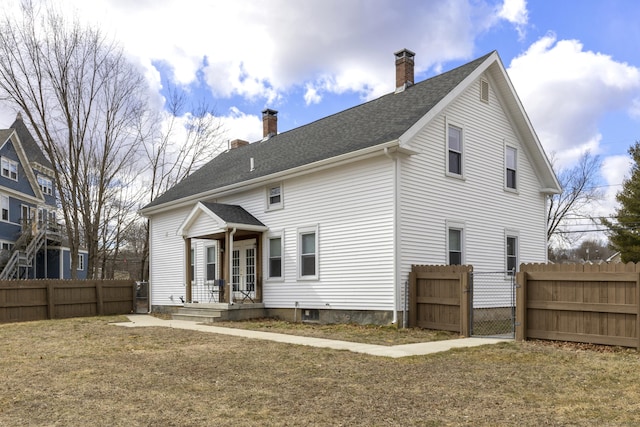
{"points": [[80, 372]]}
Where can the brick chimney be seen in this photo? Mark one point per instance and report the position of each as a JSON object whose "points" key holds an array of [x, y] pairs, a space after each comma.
{"points": [[238, 143], [269, 123], [404, 69]]}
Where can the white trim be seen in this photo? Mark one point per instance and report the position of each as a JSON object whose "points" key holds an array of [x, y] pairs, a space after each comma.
{"points": [[511, 233], [508, 147], [10, 164], [300, 232], [216, 272], [223, 226]]}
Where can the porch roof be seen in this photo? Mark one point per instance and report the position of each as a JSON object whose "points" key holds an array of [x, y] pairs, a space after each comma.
{"points": [[209, 219]]}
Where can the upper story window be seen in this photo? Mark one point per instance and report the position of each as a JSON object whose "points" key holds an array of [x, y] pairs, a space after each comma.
{"points": [[80, 262], [9, 168], [454, 150], [274, 197], [46, 185], [511, 161]]}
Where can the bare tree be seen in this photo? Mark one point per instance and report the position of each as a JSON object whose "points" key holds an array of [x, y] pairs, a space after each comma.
{"points": [[182, 143], [83, 101], [579, 191]]}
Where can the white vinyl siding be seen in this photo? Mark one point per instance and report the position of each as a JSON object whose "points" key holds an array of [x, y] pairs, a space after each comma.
{"points": [[429, 199]]}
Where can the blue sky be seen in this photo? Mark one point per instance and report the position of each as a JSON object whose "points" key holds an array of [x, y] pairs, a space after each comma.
{"points": [[575, 64]]}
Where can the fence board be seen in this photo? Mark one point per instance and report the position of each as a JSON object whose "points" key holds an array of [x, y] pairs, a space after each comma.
{"points": [[596, 304], [22, 300]]}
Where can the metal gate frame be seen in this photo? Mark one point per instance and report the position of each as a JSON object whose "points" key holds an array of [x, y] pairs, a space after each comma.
{"points": [[492, 304]]}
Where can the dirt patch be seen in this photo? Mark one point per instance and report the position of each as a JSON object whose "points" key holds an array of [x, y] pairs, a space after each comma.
{"points": [[87, 372]]}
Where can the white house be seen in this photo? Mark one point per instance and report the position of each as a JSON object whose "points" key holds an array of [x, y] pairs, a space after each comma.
{"points": [[325, 221]]}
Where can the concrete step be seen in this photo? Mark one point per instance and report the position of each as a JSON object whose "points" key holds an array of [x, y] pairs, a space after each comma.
{"points": [[200, 318], [199, 311]]}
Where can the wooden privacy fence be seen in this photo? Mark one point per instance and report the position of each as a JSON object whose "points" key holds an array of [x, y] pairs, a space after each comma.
{"points": [[596, 304], [439, 297], [22, 300]]}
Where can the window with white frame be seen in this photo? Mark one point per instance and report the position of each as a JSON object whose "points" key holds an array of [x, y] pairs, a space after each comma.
{"points": [[308, 253], [6, 246], [512, 253], [275, 257], [211, 263], [46, 184], [9, 168], [454, 245], [511, 161], [274, 196], [4, 206], [80, 262], [454, 150]]}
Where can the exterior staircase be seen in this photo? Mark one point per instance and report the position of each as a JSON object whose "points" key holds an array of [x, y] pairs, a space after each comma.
{"points": [[25, 250]]}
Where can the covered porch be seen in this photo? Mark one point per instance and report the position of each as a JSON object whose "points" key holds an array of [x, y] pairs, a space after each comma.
{"points": [[232, 272]]}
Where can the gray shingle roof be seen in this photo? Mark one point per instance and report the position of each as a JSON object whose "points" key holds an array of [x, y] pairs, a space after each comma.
{"points": [[232, 213], [367, 125], [31, 148]]}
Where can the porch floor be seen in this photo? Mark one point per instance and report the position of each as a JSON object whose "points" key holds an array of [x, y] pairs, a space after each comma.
{"points": [[216, 312]]}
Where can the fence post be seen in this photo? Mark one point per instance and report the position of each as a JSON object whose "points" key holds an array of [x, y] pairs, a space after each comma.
{"points": [[521, 306], [465, 315], [99, 299], [413, 306], [638, 309]]}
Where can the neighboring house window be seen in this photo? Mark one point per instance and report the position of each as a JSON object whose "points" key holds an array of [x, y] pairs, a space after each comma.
{"points": [[454, 245], [80, 261], [512, 254], [274, 197], [275, 257], [454, 144], [6, 246], [511, 163], [308, 253], [211, 263], [4, 205], [46, 185], [9, 168]]}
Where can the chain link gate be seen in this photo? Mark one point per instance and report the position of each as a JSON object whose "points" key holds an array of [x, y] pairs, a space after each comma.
{"points": [[493, 304]]}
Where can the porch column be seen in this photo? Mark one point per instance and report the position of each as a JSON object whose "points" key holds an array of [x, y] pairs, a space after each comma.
{"points": [[187, 269], [259, 268], [226, 266]]}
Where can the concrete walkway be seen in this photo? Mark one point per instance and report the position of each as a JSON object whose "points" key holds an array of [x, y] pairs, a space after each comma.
{"points": [[418, 349]]}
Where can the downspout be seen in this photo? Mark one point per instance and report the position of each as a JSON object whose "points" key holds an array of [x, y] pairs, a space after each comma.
{"points": [[231, 234], [395, 234]]}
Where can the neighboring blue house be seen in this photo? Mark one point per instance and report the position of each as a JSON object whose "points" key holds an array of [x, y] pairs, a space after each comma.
{"points": [[31, 243]]}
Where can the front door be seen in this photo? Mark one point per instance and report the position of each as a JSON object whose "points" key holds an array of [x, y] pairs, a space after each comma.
{"points": [[243, 271]]}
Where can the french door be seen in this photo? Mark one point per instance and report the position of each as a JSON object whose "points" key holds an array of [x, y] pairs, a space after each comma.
{"points": [[243, 271]]}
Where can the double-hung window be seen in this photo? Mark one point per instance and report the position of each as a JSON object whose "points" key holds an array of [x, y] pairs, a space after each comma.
{"points": [[275, 257], [274, 197], [80, 262], [9, 168], [308, 253], [211, 263], [454, 150], [454, 244], [511, 157], [193, 265]]}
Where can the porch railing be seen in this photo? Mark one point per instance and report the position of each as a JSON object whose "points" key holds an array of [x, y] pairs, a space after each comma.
{"points": [[207, 291]]}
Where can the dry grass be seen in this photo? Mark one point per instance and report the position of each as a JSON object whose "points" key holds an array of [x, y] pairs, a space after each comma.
{"points": [[87, 372]]}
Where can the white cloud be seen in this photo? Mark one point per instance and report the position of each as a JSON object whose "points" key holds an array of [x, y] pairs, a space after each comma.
{"points": [[567, 91], [238, 125], [615, 169], [515, 11]]}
